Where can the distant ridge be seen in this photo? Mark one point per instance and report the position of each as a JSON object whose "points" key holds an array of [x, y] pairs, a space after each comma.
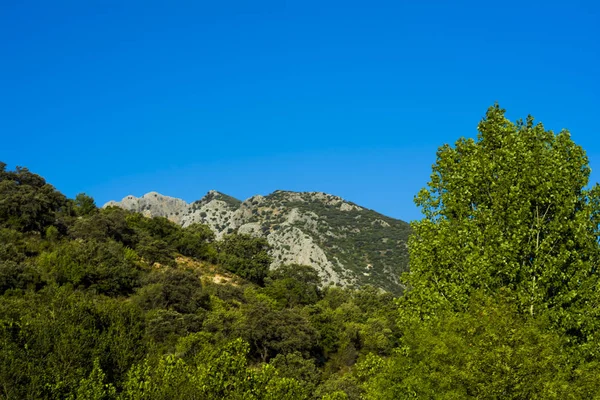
{"points": [[349, 245]]}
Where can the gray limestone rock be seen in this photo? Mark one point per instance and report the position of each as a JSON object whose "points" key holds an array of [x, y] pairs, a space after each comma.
{"points": [[336, 237]]}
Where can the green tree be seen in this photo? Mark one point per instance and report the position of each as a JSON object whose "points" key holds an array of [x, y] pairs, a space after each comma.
{"points": [[50, 339], [28, 202], [271, 331], [293, 285], [246, 256], [107, 223], [489, 351], [176, 289], [215, 372], [156, 238], [15, 275], [94, 387], [159, 228], [84, 204], [293, 365], [155, 250], [509, 211], [196, 241], [104, 267]]}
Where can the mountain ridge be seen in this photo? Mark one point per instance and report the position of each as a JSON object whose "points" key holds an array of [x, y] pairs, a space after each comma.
{"points": [[347, 244]]}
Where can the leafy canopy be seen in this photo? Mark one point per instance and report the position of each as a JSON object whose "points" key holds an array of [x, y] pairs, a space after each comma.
{"points": [[509, 212]]}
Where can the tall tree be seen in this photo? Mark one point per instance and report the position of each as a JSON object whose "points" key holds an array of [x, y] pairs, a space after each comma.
{"points": [[509, 212], [27, 202], [84, 204]]}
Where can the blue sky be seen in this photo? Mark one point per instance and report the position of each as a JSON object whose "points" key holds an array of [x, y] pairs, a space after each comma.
{"points": [[352, 98]]}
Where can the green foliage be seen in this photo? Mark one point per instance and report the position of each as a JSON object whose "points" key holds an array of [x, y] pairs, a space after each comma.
{"points": [[246, 256], [156, 238], [14, 246], [157, 227], [509, 212], [225, 319], [487, 351], [109, 223], [176, 303], [272, 331], [195, 241], [155, 251], [94, 386], [48, 341], [27, 203], [216, 372], [94, 306], [84, 205], [353, 322], [18, 276], [104, 267], [293, 285], [175, 289], [295, 366]]}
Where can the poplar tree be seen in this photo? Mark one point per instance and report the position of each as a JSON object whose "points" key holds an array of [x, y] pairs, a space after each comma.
{"points": [[509, 214]]}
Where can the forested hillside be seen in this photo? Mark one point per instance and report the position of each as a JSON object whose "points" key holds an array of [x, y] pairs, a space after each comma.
{"points": [[502, 299], [107, 303]]}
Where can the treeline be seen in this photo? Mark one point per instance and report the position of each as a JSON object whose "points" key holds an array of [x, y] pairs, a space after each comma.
{"points": [[502, 299]]}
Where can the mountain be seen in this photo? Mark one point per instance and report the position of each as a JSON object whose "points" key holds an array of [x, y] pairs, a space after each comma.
{"points": [[349, 245]]}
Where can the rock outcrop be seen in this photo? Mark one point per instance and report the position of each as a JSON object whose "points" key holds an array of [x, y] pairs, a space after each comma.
{"points": [[347, 244]]}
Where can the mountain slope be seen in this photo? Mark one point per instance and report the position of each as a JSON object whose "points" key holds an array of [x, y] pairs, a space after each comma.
{"points": [[349, 245]]}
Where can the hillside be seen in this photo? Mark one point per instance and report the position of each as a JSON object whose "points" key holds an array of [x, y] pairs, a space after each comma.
{"points": [[347, 244], [108, 304]]}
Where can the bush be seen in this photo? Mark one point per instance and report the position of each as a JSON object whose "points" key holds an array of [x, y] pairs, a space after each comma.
{"points": [[103, 267], [246, 256]]}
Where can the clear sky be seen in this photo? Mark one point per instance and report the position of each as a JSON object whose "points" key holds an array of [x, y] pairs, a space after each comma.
{"points": [[351, 98]]}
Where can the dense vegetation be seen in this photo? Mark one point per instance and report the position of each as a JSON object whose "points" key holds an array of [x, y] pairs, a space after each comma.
{"points": [[502, 300], [105, 303]]}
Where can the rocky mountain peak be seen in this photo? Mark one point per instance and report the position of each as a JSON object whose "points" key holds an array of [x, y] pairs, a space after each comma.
{"points": [[153, 204], [346, 243]]}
